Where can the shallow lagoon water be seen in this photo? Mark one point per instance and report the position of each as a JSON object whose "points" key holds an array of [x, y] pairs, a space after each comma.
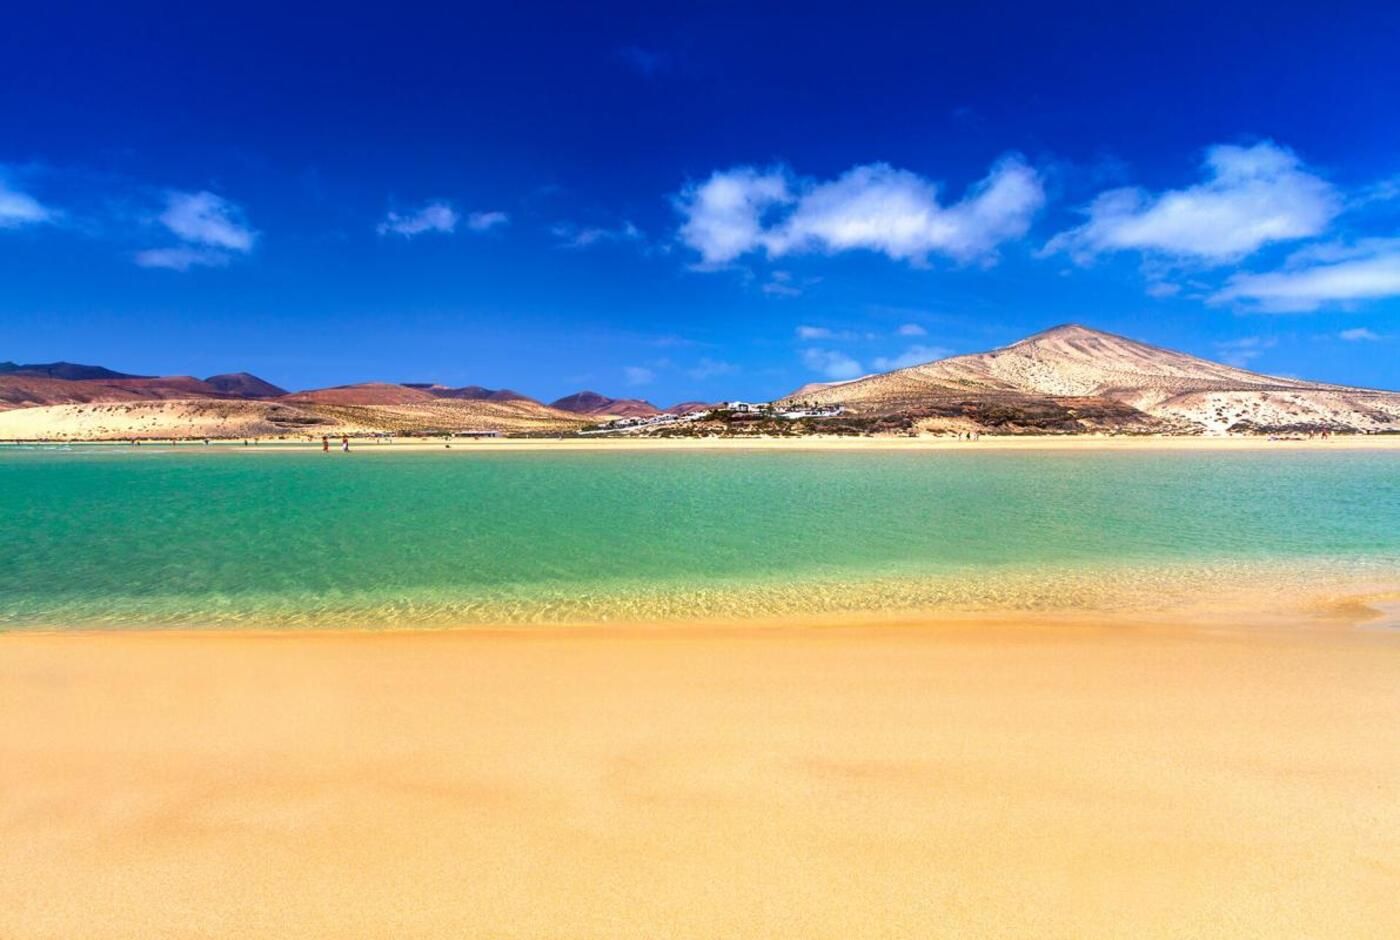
{"points": [[111, 536]]}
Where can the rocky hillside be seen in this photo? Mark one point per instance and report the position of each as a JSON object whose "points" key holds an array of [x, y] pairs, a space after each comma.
{"points": [[1079, 379]]}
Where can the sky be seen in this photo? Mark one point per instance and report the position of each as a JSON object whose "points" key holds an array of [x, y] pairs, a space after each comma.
{"points": [[693, 201]]}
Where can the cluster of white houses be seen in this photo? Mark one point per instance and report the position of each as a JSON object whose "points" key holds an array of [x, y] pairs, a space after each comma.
{"points": [[756, 409]]}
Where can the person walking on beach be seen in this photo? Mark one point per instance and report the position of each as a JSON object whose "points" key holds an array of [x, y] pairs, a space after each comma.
{"points": [[325, 444]]}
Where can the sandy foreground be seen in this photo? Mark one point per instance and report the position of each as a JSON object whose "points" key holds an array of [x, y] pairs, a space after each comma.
{"points": [[986, 777]]}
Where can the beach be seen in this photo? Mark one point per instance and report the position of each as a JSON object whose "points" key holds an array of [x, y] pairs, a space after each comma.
{"points": [[514, 692], [1028, 443], [1065, 776]]}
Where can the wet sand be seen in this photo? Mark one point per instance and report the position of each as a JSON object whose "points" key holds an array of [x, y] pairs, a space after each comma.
{"points": [[988, 777]]}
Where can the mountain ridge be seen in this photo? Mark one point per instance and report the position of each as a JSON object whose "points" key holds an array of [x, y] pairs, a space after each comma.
{"points": [[1166, 391]]}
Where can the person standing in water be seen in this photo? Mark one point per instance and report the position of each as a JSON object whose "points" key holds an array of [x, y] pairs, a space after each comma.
{"points": [[325, 444], [345, 444]]}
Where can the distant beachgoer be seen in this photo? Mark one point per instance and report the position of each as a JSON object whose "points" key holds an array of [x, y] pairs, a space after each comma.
{"points": [[345, 444], [325, 444]]}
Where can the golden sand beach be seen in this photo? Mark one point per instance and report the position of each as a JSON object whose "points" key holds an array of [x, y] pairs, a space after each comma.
{"points": [[1072, 777]]}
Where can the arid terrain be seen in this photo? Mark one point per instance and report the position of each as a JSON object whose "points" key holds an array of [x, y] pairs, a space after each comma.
{"points": [[1072, 378], [1066, 380]]}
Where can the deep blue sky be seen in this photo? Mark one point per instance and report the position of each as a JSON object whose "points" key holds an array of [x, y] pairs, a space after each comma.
{"points": [[204, 190]]}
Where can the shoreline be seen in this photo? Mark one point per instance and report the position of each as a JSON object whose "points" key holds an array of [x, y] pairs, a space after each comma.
{"points": [[998, 775], [1383, 443]]}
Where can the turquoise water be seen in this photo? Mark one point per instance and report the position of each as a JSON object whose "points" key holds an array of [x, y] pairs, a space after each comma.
{"points": [[155, 536]]}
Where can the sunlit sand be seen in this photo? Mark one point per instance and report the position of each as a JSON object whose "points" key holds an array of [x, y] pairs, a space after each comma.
{"points": [[981, 777]]}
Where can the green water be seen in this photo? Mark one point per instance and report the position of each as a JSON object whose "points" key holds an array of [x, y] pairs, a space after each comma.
{"points": [[157, 536]]}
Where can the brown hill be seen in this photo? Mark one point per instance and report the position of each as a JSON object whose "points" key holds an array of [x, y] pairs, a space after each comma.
{"points": [[365, 393], [1075, 378], [165, 386], [244, 385], [689, 407], [20, 389], [23, 390], [469, 392], [599, 406], [72, 371]]}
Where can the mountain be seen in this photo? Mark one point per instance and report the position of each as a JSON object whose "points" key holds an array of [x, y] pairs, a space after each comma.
{"points": [[469, 392], [71, 371], [244, 385], [25, 389], [687, 407], [813, 387], [1073, 378], [364, 393], [591, 403]]}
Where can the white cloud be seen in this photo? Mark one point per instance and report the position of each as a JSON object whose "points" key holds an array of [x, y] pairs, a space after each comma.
{"points": [[1319, 276], [573, 236], [1163, 289], [639, 375], [874, 207], [913, 356], [434, 216], [911, 329], [1240, 352], [211, 228], [485, 221], [831, 363], [182, 258], [708, 368], [203, 218], [723, 215], [1252, 196], [17, 208], [880, 208], [814, 332], [1359, 334]]}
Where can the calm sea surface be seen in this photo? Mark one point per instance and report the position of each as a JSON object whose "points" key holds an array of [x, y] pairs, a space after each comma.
{"points": [[105, 536]]}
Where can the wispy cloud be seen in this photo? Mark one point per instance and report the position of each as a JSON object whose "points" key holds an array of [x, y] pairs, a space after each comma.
{"points": [[831, 363], [1251, 196], [485, 221], [1359, 334], [708, 368], [212, 231], [874, 207], [19, 208], [639, 375], [814, 332], [1244, 350], [203, 218], [181, 258], [1320, 276], [436, 216], [781, 284], [913, 356], [911, 329], [575, 236]]}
